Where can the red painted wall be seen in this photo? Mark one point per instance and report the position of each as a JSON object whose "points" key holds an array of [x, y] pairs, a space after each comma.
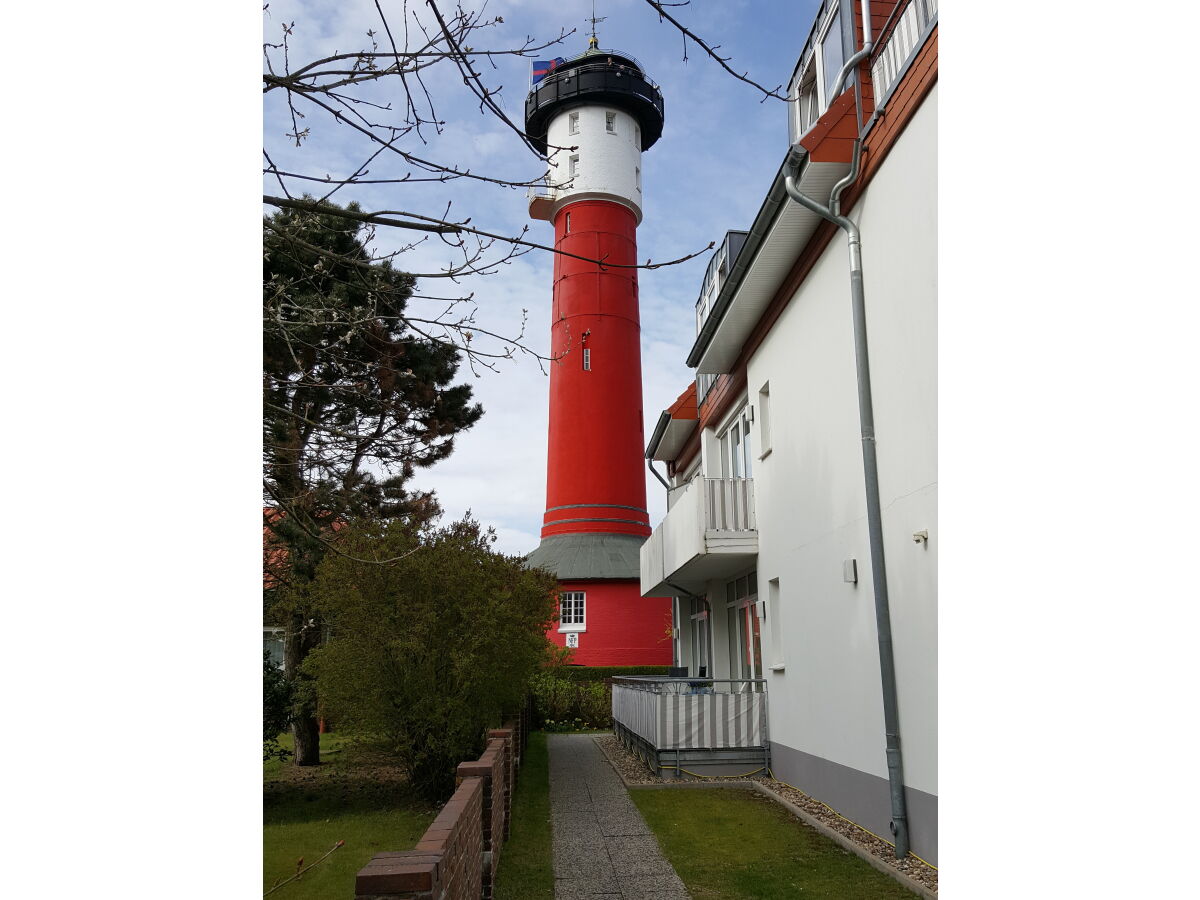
{"points": [[623, 628], [595, 464]]}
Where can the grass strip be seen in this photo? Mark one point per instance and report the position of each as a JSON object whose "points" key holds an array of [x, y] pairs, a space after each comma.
{"points": [[350, 797], [526, 867], [732, 843]]}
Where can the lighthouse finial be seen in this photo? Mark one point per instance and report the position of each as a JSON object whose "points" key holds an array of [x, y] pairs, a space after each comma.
{"points": [[593, 42]]}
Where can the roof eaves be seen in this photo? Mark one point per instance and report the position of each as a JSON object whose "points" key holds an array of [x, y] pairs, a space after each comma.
{"points": [[758, 231], [659, 430]]}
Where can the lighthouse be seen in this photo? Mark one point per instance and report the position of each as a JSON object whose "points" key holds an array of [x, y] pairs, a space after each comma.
{"points": [[595, 115]]}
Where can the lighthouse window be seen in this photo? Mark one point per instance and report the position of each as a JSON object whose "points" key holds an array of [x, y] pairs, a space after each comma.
{"points": [[570, 611], [573, 123], [573, 169], [587, 359], [568, 228], [637, 177], [610, 122]]}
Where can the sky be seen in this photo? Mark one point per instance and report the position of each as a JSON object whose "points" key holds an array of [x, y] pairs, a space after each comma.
{"points": [[707, 174]]}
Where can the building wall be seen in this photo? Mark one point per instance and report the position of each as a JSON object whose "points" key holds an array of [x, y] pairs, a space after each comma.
{"points": [[809, 496], [621, 628], [826, 711]]}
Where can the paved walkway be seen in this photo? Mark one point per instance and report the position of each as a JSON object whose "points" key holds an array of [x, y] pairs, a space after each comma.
{"points": [[602, 845]]}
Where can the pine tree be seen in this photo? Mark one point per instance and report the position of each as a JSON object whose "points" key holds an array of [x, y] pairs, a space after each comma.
{"points": [[354, 401]]}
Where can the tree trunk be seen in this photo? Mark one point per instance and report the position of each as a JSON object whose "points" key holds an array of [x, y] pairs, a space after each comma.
{"points": [[308, 740], [300, 636]]}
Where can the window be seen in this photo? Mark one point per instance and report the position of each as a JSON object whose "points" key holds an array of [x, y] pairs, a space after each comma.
{"points": [[610, 122], [701, 640], [773, 625], [571, 611], [812, 86], [573, 168], [735, 447], [764, 420], [831, 56], [745, 627], [567, 225], [573, 123], [637, 177], [637, 137], [587, 359]]}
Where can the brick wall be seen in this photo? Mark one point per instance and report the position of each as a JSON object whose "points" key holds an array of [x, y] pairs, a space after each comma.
{"points": [[457, 857]]}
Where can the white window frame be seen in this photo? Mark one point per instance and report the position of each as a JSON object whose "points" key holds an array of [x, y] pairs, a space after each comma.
{"points": [[739, 607], [741, 420], [610, 121], [810, 83], [573, 167], [572, 626], [701, 639], [763, 414], [573, 122]]}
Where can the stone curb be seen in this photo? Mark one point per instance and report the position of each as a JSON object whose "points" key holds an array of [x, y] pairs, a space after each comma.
{"points": [[745, 784], [840, 839]]}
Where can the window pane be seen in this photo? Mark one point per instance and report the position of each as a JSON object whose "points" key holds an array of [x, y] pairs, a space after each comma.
{"points": [[831, 52]]}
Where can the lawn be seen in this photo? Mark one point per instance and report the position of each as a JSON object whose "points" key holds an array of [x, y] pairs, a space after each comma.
{"points": [[736, 843], [355, 796], [526, 869]]}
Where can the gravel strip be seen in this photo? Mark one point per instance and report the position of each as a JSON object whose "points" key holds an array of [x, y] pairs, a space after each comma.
{"points": [[635, 772]]}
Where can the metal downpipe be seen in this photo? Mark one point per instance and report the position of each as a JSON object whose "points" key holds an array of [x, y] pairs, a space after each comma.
{"points": [[883, 621], [654, 471]]}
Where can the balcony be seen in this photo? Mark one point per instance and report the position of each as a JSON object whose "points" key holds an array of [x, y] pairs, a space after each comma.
{"points": [[542, 198], [704, 726], [709, 532], [902, 37]]}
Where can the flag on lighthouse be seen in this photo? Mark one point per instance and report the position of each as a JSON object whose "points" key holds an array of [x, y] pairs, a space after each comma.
{"points": [[543, 67]]}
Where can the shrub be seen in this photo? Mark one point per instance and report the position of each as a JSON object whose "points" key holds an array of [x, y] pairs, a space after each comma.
{"points": [[433, 646], [562, 705]]}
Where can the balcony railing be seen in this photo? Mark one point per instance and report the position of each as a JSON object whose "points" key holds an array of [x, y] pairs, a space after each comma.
{"points": [[704, 722], [729, 504], [899, 44]]}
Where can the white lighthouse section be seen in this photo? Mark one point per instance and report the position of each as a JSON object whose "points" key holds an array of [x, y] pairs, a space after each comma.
{"points": [[607, 164]]}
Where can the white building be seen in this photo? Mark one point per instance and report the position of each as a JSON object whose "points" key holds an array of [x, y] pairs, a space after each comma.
{"points": [[766, 546]]}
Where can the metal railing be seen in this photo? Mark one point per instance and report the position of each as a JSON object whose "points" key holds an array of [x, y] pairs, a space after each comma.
{"points": [[729, 504], [588, 79], [662, 684], [692, 713], [901, 36]]}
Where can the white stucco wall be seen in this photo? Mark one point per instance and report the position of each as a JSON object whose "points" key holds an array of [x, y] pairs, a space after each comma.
{"points": [[608, 162], [809, 494], [809, 491]]}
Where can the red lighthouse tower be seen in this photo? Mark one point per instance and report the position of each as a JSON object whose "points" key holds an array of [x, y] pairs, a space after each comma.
{"points": [[602, 107]]}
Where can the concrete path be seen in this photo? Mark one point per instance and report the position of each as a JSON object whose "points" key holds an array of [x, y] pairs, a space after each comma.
{"points": [[602, 845]]}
